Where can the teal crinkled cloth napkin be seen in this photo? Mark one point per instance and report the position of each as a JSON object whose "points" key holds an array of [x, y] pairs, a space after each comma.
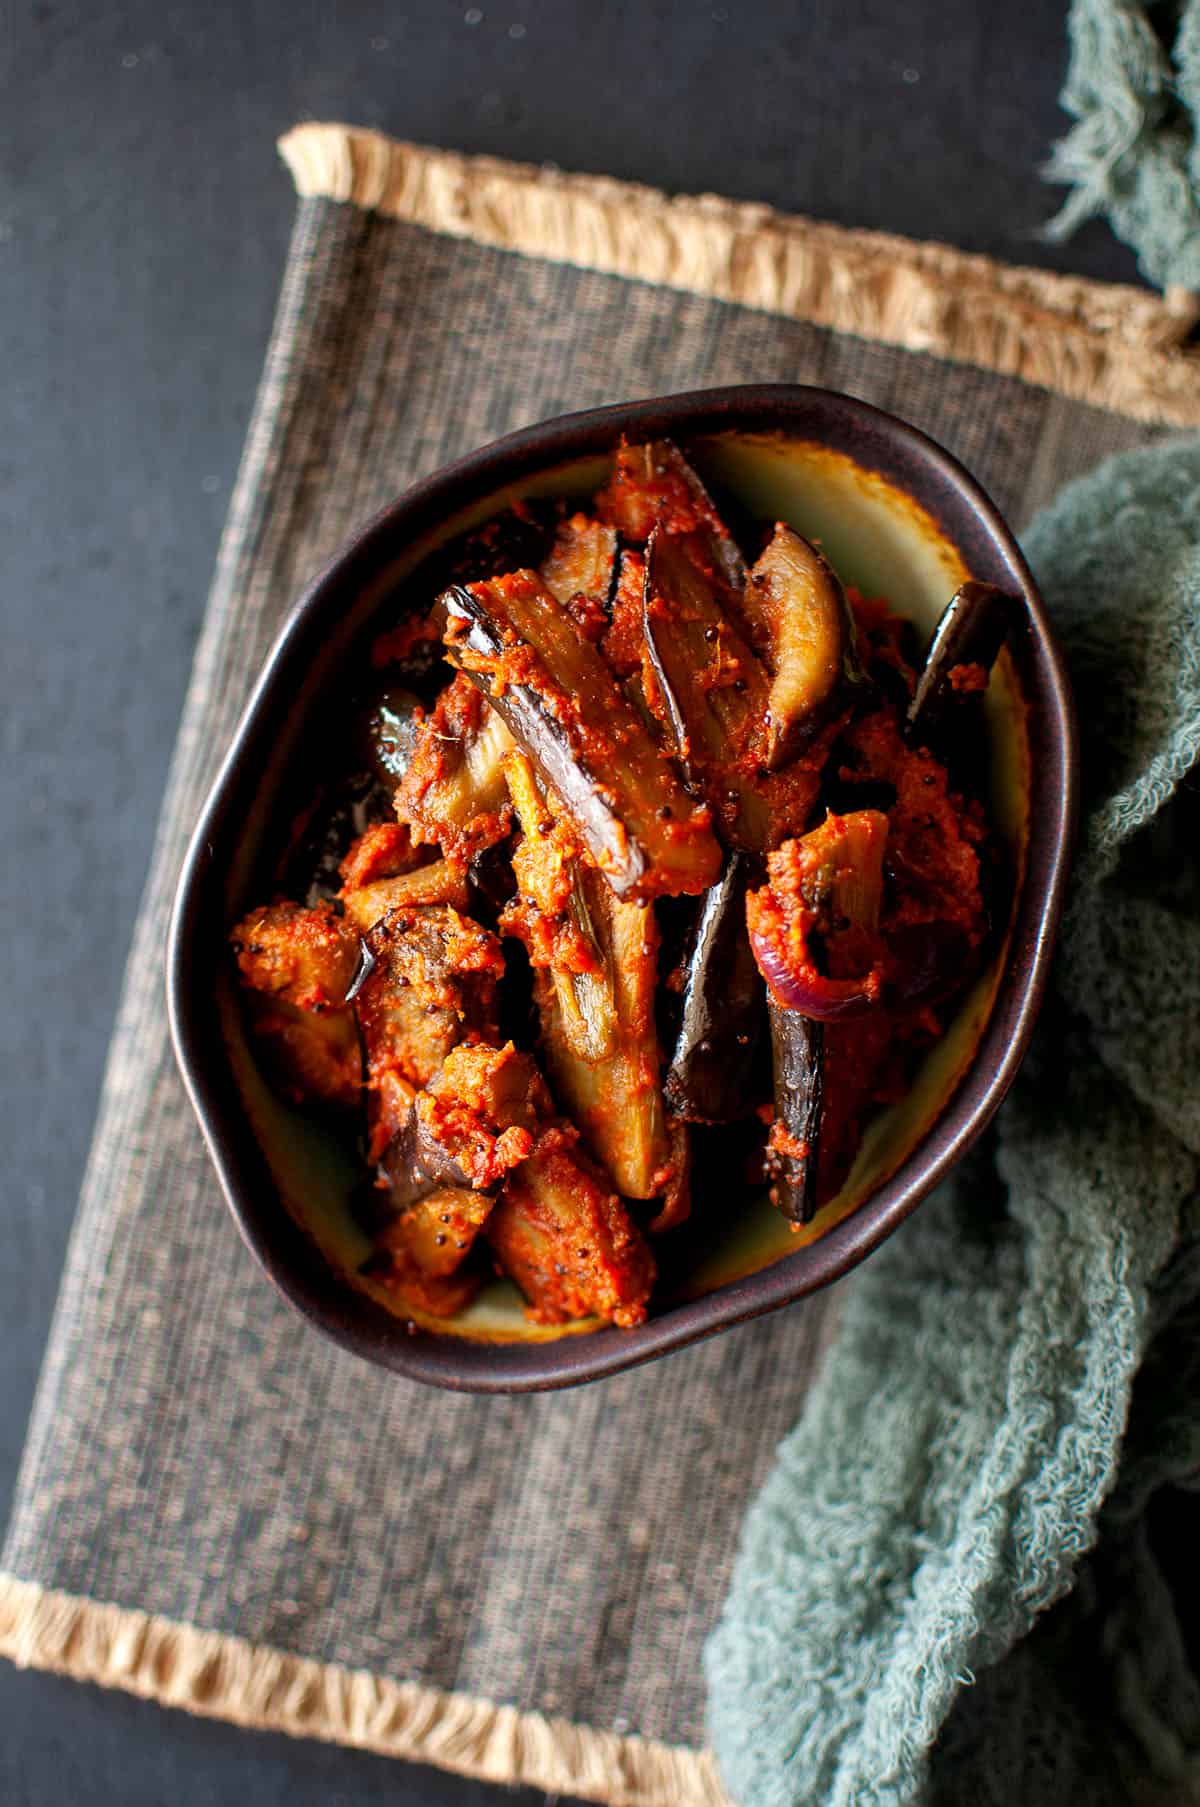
{"points": [[1016, 1376], [1133, 154]]}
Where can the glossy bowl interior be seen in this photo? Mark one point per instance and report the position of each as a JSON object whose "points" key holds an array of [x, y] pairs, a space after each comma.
{"points": [[897, 518]]}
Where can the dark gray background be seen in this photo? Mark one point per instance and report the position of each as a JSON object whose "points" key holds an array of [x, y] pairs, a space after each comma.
{"points": [[143, 225]]}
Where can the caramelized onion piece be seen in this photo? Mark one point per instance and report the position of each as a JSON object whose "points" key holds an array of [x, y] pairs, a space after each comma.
{"points": [[829, 883]]}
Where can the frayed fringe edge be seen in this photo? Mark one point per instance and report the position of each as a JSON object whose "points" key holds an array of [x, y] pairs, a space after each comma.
{"points": [[1110, 345], [221, 1677]]}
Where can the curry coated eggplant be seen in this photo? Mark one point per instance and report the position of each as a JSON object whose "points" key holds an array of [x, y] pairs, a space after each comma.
{"points": [[595, 973], [711, 691], [793, 1156], [432, 981], [582, 563], [568, 1241], [825, 889], [964, 647], [811, 654], [452, 787], [653, 485], [633, 717], [562, 703], [474, 1122], [710, 1078]]}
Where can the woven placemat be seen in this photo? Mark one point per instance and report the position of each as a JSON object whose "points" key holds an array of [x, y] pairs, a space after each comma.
{"points": [[217, 1508]]}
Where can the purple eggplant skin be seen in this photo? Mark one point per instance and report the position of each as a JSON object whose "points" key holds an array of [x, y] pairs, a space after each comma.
{"points": [[798, 1050], [390, 733], [534, 728], [711, 1071], [416, 1164], [641, 827], [973, 628]]}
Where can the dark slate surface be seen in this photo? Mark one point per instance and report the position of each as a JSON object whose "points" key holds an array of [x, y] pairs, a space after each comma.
{"points": [[143, 222]]}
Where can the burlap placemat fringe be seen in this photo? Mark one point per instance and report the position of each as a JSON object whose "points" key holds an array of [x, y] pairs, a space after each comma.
{"points": [[222, 1677], [1107, 344]]}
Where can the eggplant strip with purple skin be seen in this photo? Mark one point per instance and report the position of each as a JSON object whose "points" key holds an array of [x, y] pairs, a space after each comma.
{"points": [[594, 987], [652, 486], [709, 1079], [431, 984], [567, 1239], [453, 791], [812, 656], [793, 1157], [961, 654], [564, 706], [581, 562], [713, 689], [476, 1120], [686, 634]]}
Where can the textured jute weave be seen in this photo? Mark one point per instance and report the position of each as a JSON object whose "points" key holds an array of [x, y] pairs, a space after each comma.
{"points": [[218, 1509]]}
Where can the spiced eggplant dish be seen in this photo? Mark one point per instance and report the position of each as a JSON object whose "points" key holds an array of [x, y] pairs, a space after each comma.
{"points": [[653, 863]]}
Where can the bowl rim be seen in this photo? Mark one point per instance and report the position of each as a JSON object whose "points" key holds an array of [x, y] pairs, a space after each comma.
{"points": [[284, 1252]]}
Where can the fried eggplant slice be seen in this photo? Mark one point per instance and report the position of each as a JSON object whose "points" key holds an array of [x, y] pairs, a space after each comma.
{"points": [[564, 1236], [476, 1120], [439, 882], [965, 644], [565, 708], [394, 1265], [793, 1151], [432, 985], [437, 1232], [479, 1118], [624, 642], [653, 485], [710, 1076], [390, 733], [580, 570], [811, 655], [453, 789], [298, 966], [595, 970], [385, 850], [709, 690]]}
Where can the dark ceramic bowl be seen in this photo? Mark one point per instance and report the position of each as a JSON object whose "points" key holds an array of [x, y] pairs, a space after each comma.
{"points": [[898, 517]]}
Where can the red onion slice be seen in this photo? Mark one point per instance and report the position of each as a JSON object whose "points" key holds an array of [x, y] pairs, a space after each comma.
{"points": [[801, 987]]}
